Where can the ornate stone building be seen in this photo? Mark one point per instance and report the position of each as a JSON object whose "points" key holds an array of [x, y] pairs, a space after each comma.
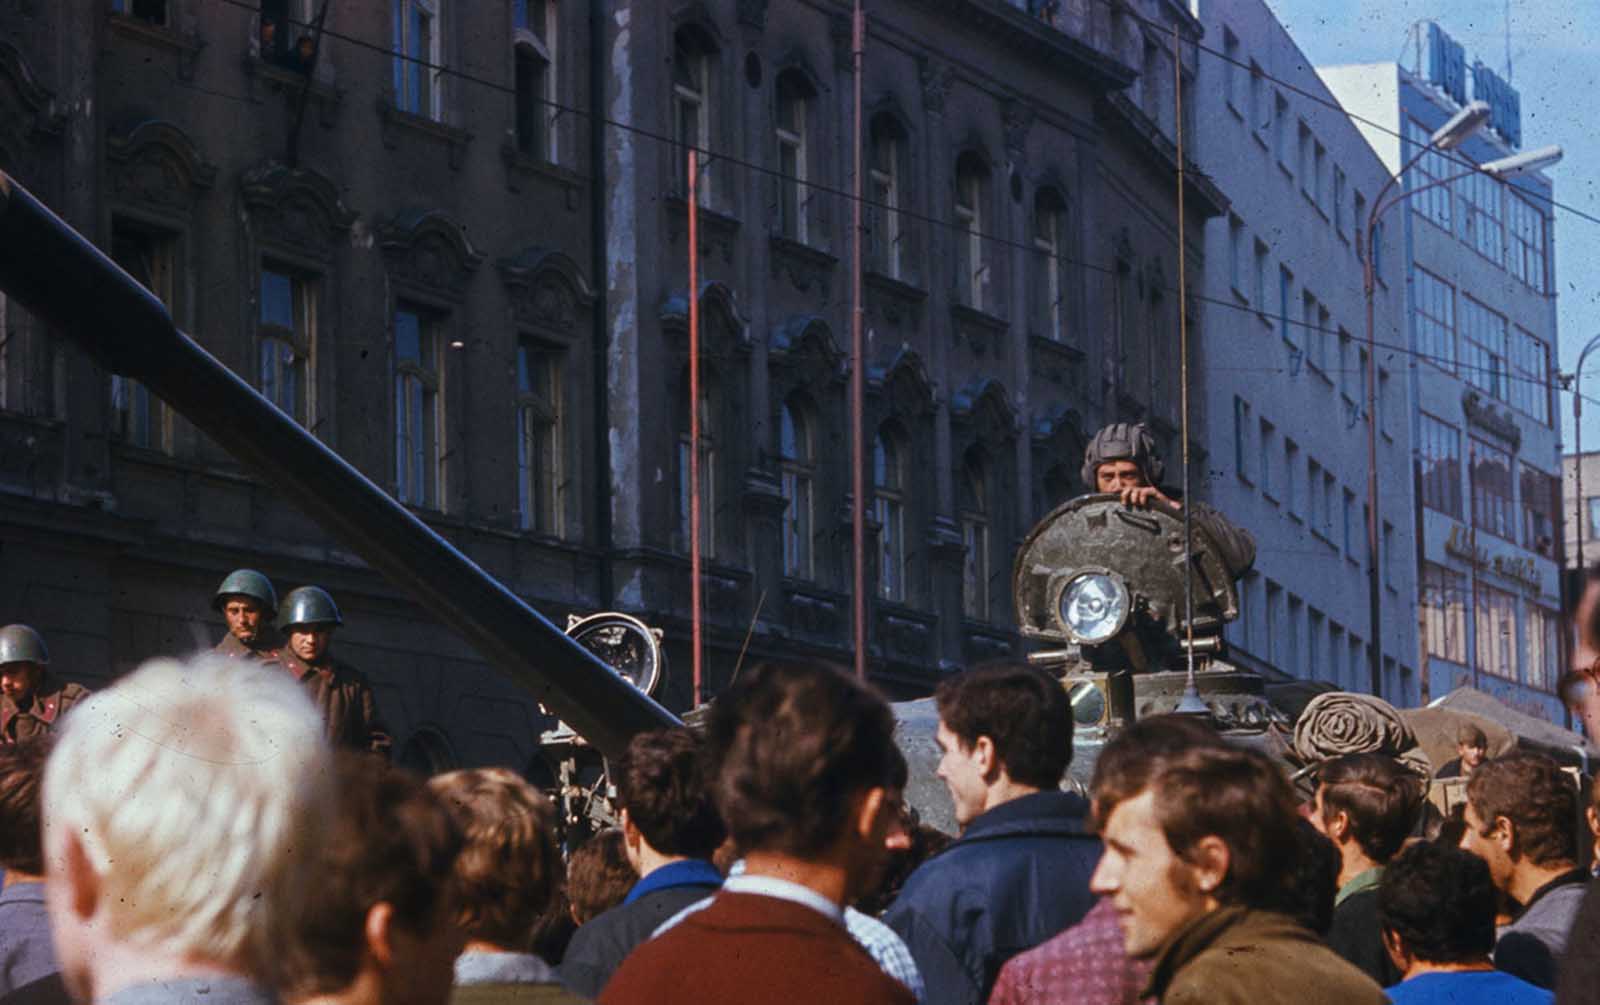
{"points": [[478, 295]]}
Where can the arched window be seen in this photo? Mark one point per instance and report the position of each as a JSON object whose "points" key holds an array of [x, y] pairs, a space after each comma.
{"points": [[975, 518], [708, 468], [792, 129], [797, 461], [283, 339], [693, 58], [884, 253], [971, 203], [889, 482], [534, 24], [1046, 285]]}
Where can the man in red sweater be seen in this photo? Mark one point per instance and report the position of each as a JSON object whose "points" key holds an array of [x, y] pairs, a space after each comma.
{"points": [[803, 755]]}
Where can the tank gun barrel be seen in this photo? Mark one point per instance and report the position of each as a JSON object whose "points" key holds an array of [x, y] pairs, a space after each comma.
{"points": [[56, 274]]}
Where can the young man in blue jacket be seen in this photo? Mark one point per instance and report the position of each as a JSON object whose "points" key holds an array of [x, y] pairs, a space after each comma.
{"points": [[1020, 871]]}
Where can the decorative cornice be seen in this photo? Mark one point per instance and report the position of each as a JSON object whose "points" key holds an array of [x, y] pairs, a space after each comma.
{"points": [[547, 289], [429, 252], [296, 207]]}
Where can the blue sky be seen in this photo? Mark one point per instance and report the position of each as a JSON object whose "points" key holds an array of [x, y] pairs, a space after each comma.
{"points": [[1555, 58]]}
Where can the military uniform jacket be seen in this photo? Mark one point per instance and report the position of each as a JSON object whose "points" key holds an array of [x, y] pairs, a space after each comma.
{"points": [[231, 647], [40, 715], [344, 697]]}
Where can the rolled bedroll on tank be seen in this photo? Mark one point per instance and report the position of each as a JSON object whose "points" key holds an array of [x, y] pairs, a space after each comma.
{"points": [[62, 278]]}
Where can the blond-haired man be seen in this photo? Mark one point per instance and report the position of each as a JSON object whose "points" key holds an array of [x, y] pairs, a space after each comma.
{"points": [[178, 805]]}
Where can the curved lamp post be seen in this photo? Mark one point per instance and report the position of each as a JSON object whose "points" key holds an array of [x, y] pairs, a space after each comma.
{"points": [[1452, 134]]}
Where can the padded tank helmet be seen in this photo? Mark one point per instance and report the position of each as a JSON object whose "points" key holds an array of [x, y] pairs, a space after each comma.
{"points": [[308, 605], [247, 583], [21, 644], [1123, 441]]}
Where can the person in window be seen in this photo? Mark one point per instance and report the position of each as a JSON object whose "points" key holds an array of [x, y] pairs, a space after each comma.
{"points": [[1122, 460]]}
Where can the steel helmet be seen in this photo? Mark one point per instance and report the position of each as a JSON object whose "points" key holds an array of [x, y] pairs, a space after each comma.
{"points": [[247, 583], [21, 644], [1123, 441], [308, 605]]}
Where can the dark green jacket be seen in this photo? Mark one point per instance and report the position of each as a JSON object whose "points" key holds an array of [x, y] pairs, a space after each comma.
{"points": [[1237, 956]]}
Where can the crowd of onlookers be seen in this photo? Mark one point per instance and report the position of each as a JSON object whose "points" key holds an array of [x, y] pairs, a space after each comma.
{"points": [[190, 835]]}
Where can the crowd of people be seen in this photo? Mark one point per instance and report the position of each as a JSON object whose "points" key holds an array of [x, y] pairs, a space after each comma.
{"points": [[192, 834]]}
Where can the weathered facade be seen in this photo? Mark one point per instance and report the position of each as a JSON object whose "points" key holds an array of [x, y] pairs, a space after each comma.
{"points": [[454, 281]]}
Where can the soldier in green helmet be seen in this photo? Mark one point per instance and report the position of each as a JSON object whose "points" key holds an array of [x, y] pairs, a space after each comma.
{"points": [[1122, 460], [247, 602], [29, 704], [341, 693]]}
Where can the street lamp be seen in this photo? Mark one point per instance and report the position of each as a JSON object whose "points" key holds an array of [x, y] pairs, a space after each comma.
{"points": [[1460, 126], [1577, 434]]}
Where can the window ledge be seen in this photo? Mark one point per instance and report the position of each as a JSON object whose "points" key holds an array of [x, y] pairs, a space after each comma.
{"points": [[290, 83], [886, 283], [1266, 322], [395, 120], [1239, 295], [1287, 173], [1261, 141], [186, 46], [1234, 109], [522, 168], [805, 265]]}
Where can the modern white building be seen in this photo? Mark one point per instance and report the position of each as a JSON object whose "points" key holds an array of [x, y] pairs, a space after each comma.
{"points": [[1477, 267], [1284, 363]]}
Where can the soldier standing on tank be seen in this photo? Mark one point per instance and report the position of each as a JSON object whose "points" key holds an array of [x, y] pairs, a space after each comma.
{"points": [[29, 705], [341, 693], [247, 602], [1122, 460]]}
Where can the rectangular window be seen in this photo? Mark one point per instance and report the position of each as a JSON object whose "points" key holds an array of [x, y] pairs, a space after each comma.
{"points": [[1435, 319], [1316, 630], [1302, 157], [1285, 294], [1291, 472], [1387, 544], [1319, 176], [1241, 438], [150, 11], [1541, 494], [1495, 619], [1481, 217], [975, 571], [1236, 242], [1269, 446], [1530, 375], [1349, 524], [793, 195], [1526, 232], [1314, 495], [1444, 612], [1291, 633], [1543, 645], [541, 476], [972, 277], [1273, 647], [418, 58], [1334, 672], [1484, 349], [1339, 200], [534, 50], [1491, 491], [1358, 222], [1430, 203], [1594, 516], [1260, 110], [1330, 502], [1280, 128], [883, 177], [1439, 454], [1230, 68], [150, 256], [1049, 315], [1258, 285], [417, 439], [285, 332], [691, 116]]}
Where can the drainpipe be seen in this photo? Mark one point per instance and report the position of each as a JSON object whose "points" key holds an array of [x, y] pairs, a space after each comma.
{"points": [[598, 269]]}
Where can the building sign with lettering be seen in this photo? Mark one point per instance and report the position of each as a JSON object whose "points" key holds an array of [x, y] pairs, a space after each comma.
{"points": [[1519, 568], [1447, 70]]}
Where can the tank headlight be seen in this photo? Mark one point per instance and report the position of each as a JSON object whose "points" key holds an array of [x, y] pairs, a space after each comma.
{"points": [[625, 644], [1094, 607]]}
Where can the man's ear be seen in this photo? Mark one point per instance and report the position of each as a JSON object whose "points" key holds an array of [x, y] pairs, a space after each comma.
{"points": [[1505, 833], [984, 757], [73, 869], [379, 933], [1338, 827], [630, 830], [1593, 816], [1209, 861], [1396, 950], [868, 811]]}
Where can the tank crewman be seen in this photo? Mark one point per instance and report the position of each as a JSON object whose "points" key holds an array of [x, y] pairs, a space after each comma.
{"points": [[1122, 459], [341, 693], [29, 704], [247, 602]]}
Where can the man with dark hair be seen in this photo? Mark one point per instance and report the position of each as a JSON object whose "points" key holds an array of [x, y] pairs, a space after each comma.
{"points": [[379, 926], [1019, 873], [1200, 848], [1436, 909], [27, 957], [670, 828], [1086, 963], [1520, 815], [804, 757], [1472, 744], [1366, 804]]}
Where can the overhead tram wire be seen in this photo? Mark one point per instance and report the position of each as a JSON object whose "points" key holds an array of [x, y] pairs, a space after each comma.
{"points": [[932, 221]]}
